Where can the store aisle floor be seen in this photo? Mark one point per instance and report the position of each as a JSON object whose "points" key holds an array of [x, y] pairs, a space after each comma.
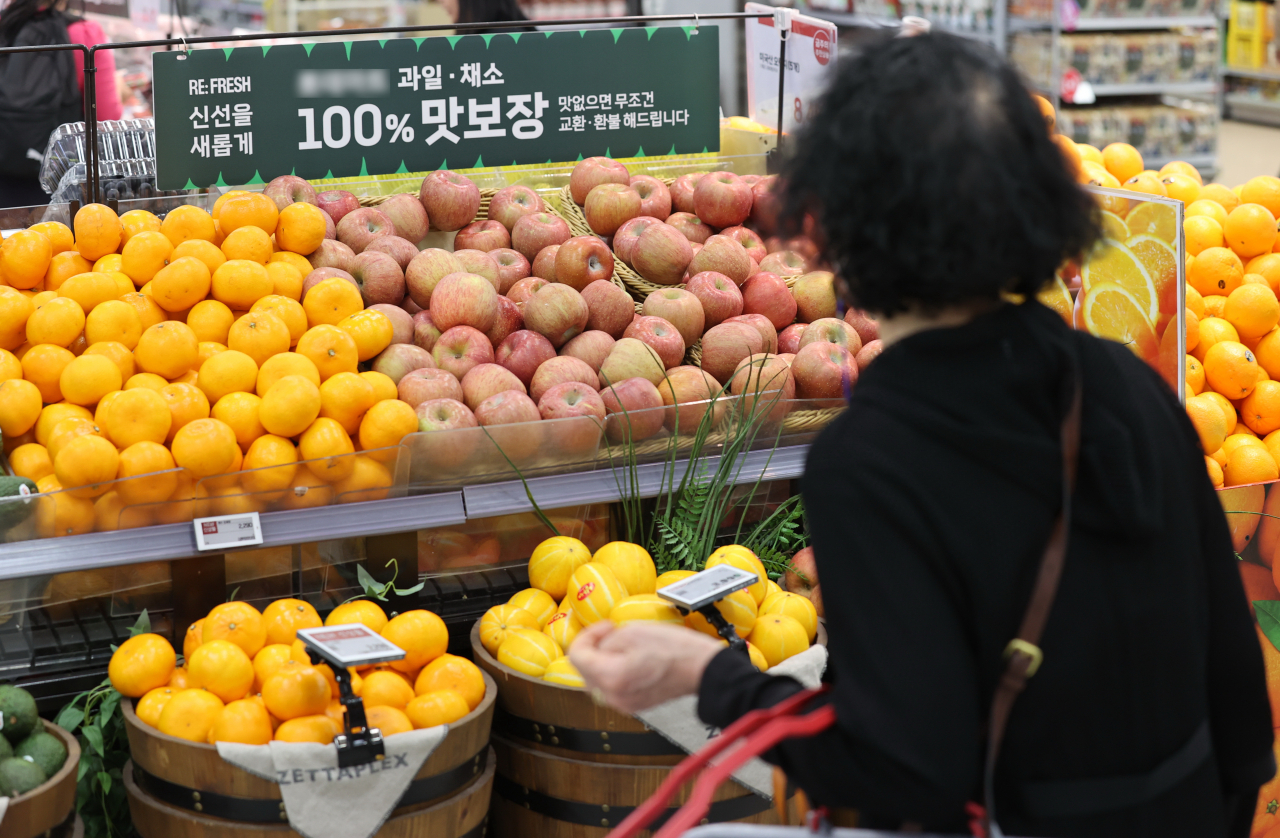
{"points": [[1246, 150]]}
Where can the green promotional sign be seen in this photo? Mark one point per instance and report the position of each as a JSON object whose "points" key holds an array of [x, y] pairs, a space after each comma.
{"points": [[245, 115]]}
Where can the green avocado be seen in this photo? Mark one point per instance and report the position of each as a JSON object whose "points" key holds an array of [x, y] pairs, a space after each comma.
{"points": [[18, 776], [18, 715], [45, 750], [13, 512]]}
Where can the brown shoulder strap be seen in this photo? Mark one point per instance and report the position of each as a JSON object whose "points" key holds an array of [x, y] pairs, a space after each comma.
{"points": [[1023, 655]]}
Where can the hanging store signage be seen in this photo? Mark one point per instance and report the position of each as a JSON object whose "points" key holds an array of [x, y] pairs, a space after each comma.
{"points": [[248, 114]]}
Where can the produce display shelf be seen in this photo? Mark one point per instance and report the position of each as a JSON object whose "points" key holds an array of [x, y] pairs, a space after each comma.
{"points": [[1242, 73], [1253, 110], [1174, 88], [177, 541], [1102, 24], [491, 499]]}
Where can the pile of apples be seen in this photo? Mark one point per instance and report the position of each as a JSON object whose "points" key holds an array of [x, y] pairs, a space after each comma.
{"points": [[520, 320]]}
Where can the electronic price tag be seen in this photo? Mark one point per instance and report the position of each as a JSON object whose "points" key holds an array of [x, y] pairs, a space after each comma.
{"points": [[701, 591], [223, 531], [342, 647]]}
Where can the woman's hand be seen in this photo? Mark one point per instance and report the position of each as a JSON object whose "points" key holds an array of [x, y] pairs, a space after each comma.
{"points": [[641, 664]]}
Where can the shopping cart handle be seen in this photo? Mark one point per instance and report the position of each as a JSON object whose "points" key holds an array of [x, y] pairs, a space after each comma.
{"points": [[648, 811]]}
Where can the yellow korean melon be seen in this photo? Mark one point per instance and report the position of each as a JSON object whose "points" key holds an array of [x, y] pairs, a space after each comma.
{"points": [[631, 563], [778, 637], [742, 558], [795, 606], [563, 627], [499, 620], [670, 578], [528, 651], [645, 607], [536, 602], [593, 592], [561, 672], [738, 608], [554, 561], [757, 659]]}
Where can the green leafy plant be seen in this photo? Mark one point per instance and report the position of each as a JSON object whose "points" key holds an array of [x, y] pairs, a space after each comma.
{"points": [[94, 718], [373, 589], [778, 537]]}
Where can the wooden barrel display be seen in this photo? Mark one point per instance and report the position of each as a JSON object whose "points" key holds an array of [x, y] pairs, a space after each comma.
{"points": [[569, 768], [174, 783], [46, 807]]}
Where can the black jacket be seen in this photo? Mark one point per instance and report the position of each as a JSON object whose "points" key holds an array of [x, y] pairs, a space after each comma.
{"points": [[929, 502]]}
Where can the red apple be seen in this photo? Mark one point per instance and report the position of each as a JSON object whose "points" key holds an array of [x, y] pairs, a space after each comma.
{"points": [[823, 371], [681, 309], [485, 380], [609, 308], [591, 347], [804, 246], [379, 277], [508, 321], [721, 199], [402, 250], [510, 203], [752, 180], [534, 232], [724, 256], [544, 264], [558, 370], [768, 334], [682, 191], [624, 241], [723, 346], [572, 398], [767, 293], [557, 312], [789, 338], [464, 299], [787, 356], [330, 228], [512, 267], [425, 333], [336, 203], [690, 226], [525, 288], [483, 236], [764, 205], [407, 215], [868, 353], [359, 228], [400, 359], [523, 352], [719, 296], [427, 384], [687, 392], [609, 206], [425, 272], [632, 358], [802, 572], [815, 295], [832, 330], [655, 198], [784, 263], [661, 335], [749, 239], [479, 263], [448, 450], [450, 199], [461, 348], [592, 172], [583, 260], [633, 408], [508, 408], [867, 327], [319, 275], [662, 254], [332, 254], [401, 321], [409, 305], [765, 383], [290, 189]]}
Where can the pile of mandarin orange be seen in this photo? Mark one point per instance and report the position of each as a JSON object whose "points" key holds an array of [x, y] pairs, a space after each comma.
{"points": [[247, 678], [170, 352]]}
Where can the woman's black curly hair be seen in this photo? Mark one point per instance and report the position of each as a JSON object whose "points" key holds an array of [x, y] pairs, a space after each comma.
{"points": [[932, 179]]}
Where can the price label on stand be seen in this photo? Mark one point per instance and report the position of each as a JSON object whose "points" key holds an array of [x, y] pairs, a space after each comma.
{"points": [[811, 57], [223, 532], [244, 115]]}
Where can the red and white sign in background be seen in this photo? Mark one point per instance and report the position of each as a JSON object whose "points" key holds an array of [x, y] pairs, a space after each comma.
{"points": [[811, 55]]}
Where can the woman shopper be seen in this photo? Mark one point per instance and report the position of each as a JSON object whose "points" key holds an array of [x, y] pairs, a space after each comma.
{"points": [[40, 91], [933, 190]]}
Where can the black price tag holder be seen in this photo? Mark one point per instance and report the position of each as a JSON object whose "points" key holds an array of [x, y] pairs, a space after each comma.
{"points": [[703, 590]]}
